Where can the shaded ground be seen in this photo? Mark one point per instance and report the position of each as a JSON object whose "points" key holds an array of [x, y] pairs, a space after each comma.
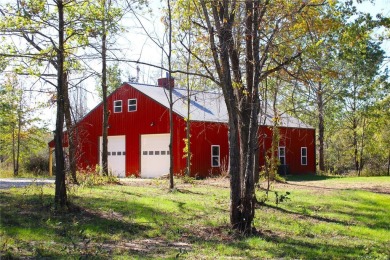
{"points": [[142, 218]]}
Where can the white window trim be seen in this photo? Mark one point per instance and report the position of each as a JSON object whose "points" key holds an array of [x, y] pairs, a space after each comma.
{"points": [[128, 105], [216, 156], [121, 106], [284, 156], [302, 156]]}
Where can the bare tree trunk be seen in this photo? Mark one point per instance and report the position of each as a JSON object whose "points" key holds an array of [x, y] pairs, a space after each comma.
{"points": [[171, 129], [242, 125], [234, 173], [234, 147], [275, 141], [14, 152], [16, 127], [361, 162], [250, 116], [70, 130], [104, 92], [188, 122], [249, 200], [321, 127], [188, 133], [355, 145], [388, 164], [16, 170], [256, 165], [354, 127], [60, 198]]}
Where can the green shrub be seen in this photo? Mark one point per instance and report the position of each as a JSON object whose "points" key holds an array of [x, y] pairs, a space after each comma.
{"points": [[5, 171], [37, 164], [94, 178], [188, 179]]}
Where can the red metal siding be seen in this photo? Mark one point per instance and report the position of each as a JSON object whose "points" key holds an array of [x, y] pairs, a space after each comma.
{"points": [[150, 118], [153, 118], [293, 139], [203, 136]]}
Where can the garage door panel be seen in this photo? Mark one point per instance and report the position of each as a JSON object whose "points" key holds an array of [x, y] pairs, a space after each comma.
{"points": [[154, 155], [116, 154]]}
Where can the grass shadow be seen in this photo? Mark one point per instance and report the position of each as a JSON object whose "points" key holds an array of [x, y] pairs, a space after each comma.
{"points": [[306, 216], [93, 225], [139, 222], [186, 191], [310, 177], [307, 248]]}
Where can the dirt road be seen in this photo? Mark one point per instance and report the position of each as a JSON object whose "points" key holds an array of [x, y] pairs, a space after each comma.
{"points": [[6, 183]]}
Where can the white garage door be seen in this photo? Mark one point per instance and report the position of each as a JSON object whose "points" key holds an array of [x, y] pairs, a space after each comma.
{"points": [[116, 154], [154, 155]]}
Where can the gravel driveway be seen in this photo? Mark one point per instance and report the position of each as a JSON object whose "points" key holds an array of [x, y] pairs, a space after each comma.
{"points": [[7, 183]]}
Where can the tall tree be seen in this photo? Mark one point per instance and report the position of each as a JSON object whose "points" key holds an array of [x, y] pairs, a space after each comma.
{"points": [[319, 83], [188, 154], [378, 135], [248, 41], [104, 6], [316, 85], [60, 198], [170, 95], [165, 44], [22, 133], [362, 59], [48, 28], [12, 114], [102, 24]]}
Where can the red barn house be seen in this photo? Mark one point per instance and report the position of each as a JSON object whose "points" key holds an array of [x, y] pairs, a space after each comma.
{"points": [[138, 134]]}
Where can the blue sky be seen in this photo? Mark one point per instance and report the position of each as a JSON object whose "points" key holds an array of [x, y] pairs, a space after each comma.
{"points": [[136, 44]]}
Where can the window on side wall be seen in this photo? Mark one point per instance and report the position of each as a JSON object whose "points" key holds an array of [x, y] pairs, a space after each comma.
{"points": [[282, 155], [118, 106], [132, 105], [215, 156], [304, 155]]}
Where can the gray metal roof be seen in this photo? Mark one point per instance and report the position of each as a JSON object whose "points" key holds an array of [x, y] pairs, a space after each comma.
{"points": [[207, 106]]}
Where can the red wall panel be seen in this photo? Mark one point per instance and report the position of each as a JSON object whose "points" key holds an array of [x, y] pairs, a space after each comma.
{"points": [[203, 136], [293, 139], [150, 118], [153, 118]]}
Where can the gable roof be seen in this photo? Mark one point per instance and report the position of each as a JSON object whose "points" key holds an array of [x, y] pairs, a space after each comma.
{"points": [[206, 106]]}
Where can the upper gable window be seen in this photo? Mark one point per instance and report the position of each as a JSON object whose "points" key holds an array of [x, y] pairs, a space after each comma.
{"points": [[132, 105], [118, 106]]}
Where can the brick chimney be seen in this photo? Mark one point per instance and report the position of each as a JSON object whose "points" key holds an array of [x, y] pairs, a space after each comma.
{"points": [[166, 82]]}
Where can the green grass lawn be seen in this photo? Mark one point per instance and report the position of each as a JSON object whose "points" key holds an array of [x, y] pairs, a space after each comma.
{"points": [[324, 219], [6, 172]]}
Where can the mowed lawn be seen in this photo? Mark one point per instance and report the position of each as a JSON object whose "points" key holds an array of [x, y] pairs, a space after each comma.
{"points": [[325, 218]]}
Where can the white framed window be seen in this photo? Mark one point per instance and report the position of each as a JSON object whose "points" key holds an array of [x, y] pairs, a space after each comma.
{"points": [[215, 156], [132, 105], [303, 155], [118, 106], [282, 155]]}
